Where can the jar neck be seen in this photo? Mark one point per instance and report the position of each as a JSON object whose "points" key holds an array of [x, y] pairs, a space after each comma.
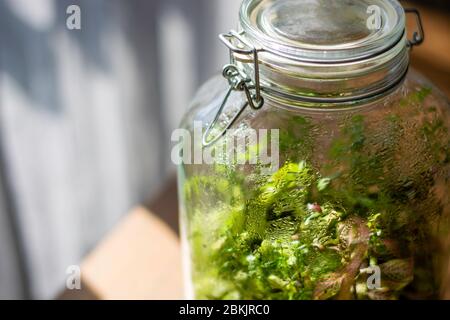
{"points": [[321, 85]]}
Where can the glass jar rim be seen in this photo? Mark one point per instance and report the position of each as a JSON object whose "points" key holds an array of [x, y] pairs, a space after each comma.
{"points": [[273, 36]]}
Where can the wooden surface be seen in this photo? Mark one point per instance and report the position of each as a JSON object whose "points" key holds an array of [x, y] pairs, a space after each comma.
{"points": [[432, 58], [139, 260]]}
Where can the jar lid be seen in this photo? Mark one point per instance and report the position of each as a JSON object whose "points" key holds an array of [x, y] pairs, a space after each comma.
{"points": [[325, 31]]}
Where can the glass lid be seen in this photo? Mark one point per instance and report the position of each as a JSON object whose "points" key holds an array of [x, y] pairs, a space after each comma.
{"points": [[323, 30]]}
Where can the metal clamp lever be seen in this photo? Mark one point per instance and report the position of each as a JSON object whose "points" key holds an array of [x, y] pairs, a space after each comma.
{"points": [[418, 36], [237, 82]]}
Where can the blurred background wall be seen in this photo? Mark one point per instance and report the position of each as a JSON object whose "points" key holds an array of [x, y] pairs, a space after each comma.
{"points": [[86, 117], [85, 120]]}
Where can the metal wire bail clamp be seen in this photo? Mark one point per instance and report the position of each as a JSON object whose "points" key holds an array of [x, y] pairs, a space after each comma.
{"points": [[418, 36], [237, 82]]}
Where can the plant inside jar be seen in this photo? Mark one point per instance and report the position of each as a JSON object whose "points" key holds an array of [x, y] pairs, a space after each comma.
{"points": [[300, 234]]}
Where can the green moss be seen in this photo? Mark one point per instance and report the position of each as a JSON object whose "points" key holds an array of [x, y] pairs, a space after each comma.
{"points": [[301, 234]]}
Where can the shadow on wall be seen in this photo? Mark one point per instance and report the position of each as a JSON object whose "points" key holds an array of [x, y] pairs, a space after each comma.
{"points": [[29, 33], [86, 118]]}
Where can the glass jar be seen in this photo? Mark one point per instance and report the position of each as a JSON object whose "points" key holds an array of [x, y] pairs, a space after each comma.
{"points": [[321, 168]]}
